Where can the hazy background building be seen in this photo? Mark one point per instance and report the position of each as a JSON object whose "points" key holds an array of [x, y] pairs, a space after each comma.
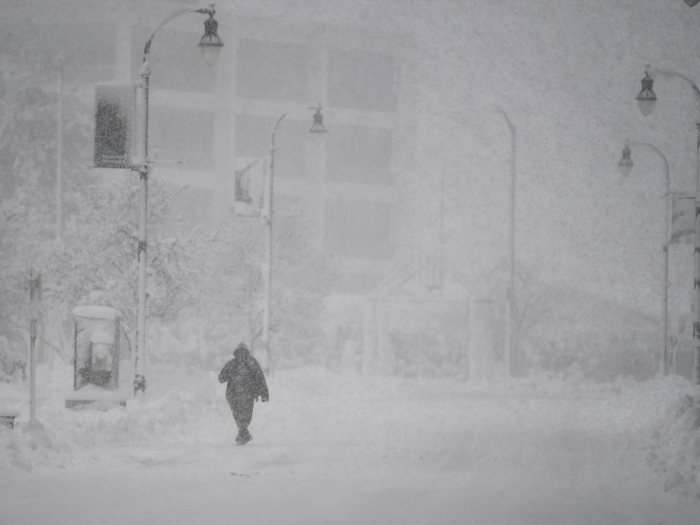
{"points": [[416, 164]]}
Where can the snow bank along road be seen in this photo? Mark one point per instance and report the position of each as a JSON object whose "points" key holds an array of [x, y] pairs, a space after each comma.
{"points": [[330, 450]]}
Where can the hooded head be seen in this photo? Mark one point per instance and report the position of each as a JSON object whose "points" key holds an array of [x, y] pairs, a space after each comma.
{"points": [[241, 351]]}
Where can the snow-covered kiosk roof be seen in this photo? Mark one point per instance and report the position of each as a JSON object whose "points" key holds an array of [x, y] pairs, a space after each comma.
{"points": [[97, 312]]}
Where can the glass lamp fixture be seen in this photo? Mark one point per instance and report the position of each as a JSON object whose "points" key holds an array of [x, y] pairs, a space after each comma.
{"points": [[210, 44], [625, 165], [318, 126], [647, 98], [691, 3]]}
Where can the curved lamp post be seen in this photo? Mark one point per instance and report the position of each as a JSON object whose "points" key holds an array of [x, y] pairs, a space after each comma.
{"points": [[510, 294], [647, 100], [211, 45], [317, 127], [625, 165]]}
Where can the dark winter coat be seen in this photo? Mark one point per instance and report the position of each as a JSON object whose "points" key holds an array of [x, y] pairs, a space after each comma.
{"points": [[244, 376]]}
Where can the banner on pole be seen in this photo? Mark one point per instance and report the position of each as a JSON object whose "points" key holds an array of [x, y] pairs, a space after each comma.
{"points": [[115, 119], [250, 183], [683, 220]]}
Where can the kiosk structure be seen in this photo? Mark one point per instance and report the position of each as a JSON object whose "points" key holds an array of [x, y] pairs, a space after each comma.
{"points": [[96, 359]]}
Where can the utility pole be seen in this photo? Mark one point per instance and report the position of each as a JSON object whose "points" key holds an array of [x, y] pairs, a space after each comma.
{"points": [[210, 45], [646, 100], [34, 305], [59, 157], [509, 355], [267, 216]]}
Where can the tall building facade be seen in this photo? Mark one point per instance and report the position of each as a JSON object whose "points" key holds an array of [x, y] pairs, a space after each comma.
{"points": [[203, 120]]}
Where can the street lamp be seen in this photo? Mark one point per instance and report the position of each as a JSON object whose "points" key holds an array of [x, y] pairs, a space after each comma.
{"points": [[317, 127], [625, 165], [211, 45], [691, 3], [646, 98], [510, 294], [59, 153], [651, 97]]}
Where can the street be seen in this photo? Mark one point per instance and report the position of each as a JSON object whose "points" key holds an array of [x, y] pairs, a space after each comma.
{"points": [[436, 453]]}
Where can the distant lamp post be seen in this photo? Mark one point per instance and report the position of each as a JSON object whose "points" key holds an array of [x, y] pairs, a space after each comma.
{"points": [[647, 91], [626, 166], [626, 163], [510, 294], [210, 44], [646, 98], [59, 153], [317, 127]]}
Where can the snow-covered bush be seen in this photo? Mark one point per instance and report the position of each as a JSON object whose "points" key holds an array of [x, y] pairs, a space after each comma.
{"points": [[22, 244], [599, 356], [417, 354], [13, 359], [98, 264], [675, 445]]}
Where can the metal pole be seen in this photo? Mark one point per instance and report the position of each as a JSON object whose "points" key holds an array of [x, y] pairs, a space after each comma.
{"points": [[34, 297], [696, 283], [667, 246], [59, 158], [267, 270], [269, 210], [509, 350], [511, 280], [143, 167], [268, 219], [667, 242], [442, 230], [32, 370]]}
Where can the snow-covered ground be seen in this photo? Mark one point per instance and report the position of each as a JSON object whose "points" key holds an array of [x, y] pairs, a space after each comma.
{"points": [[341, 449]]}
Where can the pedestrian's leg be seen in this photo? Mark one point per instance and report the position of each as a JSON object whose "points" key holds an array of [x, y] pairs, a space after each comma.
{"points": [[244, 409], [237, 418]]}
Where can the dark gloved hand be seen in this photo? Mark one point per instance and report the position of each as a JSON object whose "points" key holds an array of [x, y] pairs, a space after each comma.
{"points": [[265, 399], [256, 398]]}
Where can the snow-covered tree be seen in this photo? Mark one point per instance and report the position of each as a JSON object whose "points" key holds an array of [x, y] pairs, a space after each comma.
{"points": [[102, 254], [232, 293]]}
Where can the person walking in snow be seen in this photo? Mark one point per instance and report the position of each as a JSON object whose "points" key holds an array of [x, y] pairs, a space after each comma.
{"points": [[246, 383]]}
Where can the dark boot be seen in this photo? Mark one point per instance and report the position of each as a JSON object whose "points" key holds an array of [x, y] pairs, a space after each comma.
{"points": [[245, 437]]}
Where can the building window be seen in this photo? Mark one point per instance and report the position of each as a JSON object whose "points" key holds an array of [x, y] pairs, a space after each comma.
{"points": [[175, 58], [253, 136], [272, 70], [178, 135], [359, 155], [361, 80], [358, 229]]}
